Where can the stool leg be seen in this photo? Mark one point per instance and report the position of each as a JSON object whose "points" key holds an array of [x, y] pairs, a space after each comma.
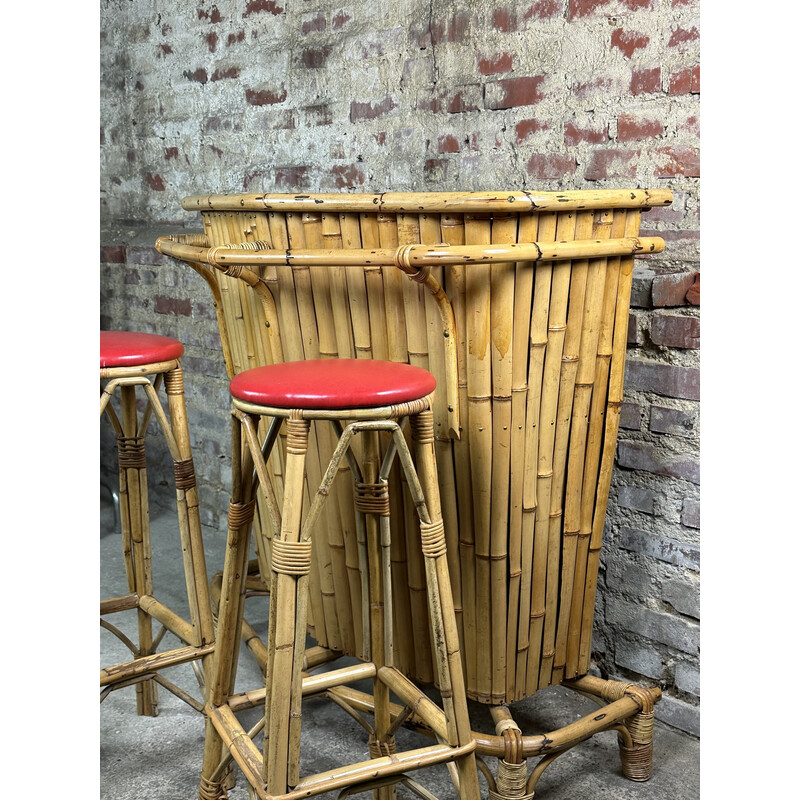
{"points": [[189, 515], [135, 516], [288, 613], [220, 681], [442, 610], [381, 743]]}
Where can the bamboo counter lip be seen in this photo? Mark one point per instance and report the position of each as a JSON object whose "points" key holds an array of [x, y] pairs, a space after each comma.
{"points": [[433, 202]]}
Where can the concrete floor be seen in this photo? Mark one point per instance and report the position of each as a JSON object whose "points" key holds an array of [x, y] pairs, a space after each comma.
{"points": [[160, 757]]}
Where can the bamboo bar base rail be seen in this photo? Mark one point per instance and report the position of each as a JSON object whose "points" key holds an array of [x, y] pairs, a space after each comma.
{"points": [[128, 362], [275, 773], [518, 303]]}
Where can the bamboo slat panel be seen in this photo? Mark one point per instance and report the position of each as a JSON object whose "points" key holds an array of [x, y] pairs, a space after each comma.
{"points": [[540, 334]]}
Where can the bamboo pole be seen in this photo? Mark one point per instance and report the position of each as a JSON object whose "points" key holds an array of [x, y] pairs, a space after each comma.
{"points": [[583, 384], [479, 394], [453, 233], [436, 202], [615, 393], [542, 574], [502, 276], [569, 366], [532, 336]]}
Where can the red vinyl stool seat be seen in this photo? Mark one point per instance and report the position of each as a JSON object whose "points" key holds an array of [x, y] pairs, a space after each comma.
{"points": [[126, 349], [332, 384]]}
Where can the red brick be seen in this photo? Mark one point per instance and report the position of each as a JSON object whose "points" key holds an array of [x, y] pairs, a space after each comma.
{"points": [[574, 135], [685, 81], [165, 49], [632, 128], [526, 127], [380, 138], [628, 42], [212, 39], [451, 29], [313, 23], [256, 6], [428, 100], [645, 81], [667, 380], [170, 152], [670, 289], [582, 89], [148, 256], [447, 144], [315, 57], [155, 182], [112, 254], [436, 170], [212, 16], [371, 110], [346, 177], [693, 294], [673, 330], [658, 461], [231, 72], [464, 98], [319, 115], [198, 76], [550, 166], [173, 305], [545, 9], [504, 20], [633, 329], [682, 36], [630, 416], [582, 8], [292, 177], [339, 19], [678, 160], [612, 164], [491, 65], [265, 97], [234, 37], [514, 92]]}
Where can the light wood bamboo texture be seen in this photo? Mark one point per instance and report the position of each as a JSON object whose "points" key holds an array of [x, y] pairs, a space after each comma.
{"points": [[518, 303]]}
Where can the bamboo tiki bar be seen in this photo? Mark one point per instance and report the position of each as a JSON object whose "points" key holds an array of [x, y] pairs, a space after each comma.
{"points": [[518, 303]]}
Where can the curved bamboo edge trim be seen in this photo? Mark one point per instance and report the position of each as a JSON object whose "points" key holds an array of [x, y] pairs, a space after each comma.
{"points": [[155, 368], [368, 413], [413, 259], [434, 202]]}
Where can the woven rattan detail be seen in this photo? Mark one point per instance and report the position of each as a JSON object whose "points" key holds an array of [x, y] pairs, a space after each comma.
{"points": [[372, 498], [184, 474], [173, 381], [432, 537], [291, 558], [240, 514], [211, 790], [378, 749], [297, 436], [637, 761], [422, 427], [641, 727], [130, 452], [511, 780]]}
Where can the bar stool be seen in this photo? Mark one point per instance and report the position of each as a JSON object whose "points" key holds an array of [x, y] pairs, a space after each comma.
{"points": [[127, 361], [360, 398]]}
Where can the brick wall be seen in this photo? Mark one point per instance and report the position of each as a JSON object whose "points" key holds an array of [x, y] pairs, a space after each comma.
{"points": [[260, 95]]}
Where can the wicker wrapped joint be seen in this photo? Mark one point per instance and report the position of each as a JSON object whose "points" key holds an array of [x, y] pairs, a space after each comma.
{"points": [[517, 302]]}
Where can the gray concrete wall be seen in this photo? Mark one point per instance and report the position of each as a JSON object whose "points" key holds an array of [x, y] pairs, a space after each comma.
{"points": [[269, 95]]}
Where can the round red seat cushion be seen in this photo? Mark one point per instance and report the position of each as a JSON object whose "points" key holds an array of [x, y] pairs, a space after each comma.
{"points": [[126, 349], [332, 383]]}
